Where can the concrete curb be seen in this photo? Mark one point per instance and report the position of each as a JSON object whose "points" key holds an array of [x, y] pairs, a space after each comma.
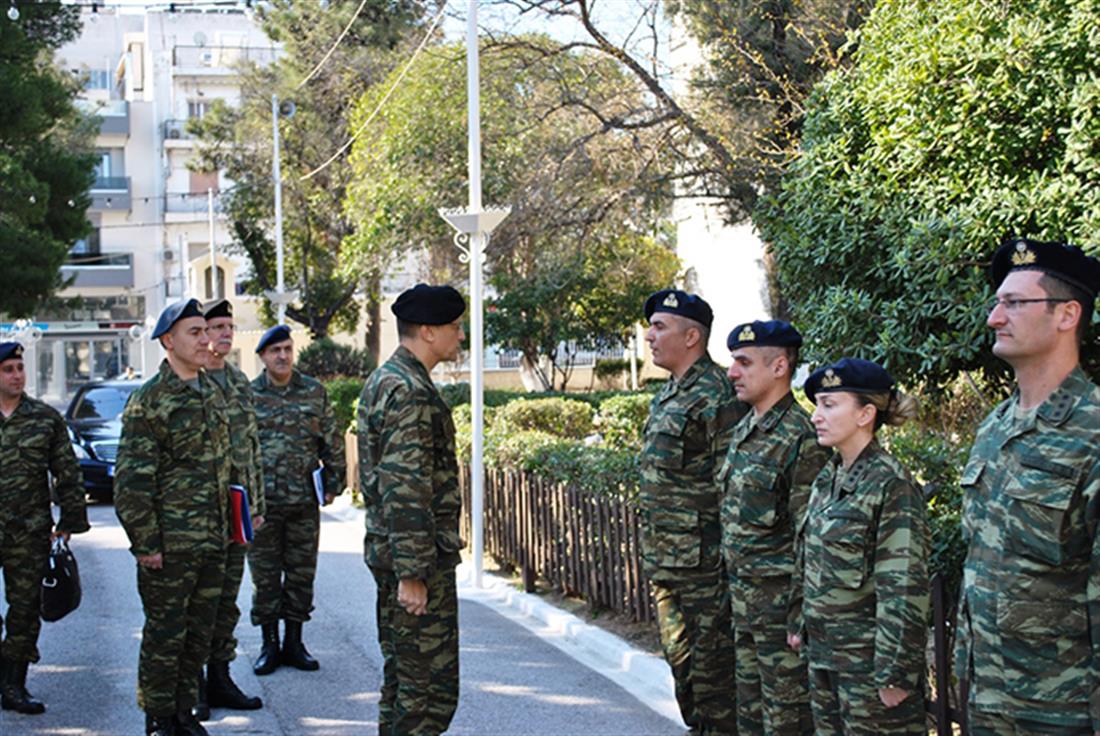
{"points": [[645, 676]]}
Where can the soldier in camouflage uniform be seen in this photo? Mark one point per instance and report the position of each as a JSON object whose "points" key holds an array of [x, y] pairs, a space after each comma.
{"points": [[171, 495], [863, 552], [770, 467], [218, 690], [409, 479], [33, 441], [1028, 638], [298, 434], [686, 437]]}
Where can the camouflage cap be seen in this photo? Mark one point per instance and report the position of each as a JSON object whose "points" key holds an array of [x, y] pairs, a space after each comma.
{"points": [[760, 334], [10, 351], [173, 313], [674, 301], [1061, 260], [854, 375]]}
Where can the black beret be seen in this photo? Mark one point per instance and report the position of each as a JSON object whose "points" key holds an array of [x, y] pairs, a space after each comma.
{"points": [[10, 350], [773, 333], [173, 313], [682, 303], [1066, 262], [277, 334], [217, 308], [854, 375], [429, 305]]}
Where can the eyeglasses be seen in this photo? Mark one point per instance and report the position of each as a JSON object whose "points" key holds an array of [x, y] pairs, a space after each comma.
{"points": [[1013, 305]]}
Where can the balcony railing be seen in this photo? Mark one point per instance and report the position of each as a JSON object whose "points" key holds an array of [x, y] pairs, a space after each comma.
{"points": [[108, 269], [111, 193], [176, 130], [111, 184], [190, 202], [221, 57], [114, 115]]}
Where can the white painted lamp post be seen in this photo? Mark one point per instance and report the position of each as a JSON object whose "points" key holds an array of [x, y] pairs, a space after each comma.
{"points": [[279, 296], [474, 225]]}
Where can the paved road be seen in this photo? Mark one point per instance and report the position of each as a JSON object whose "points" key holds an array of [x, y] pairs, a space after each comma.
{"points": [[513, 683]]}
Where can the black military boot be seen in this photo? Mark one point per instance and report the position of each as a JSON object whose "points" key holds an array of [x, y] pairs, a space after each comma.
{"points": [[202, 707], [160, 725], [222, 692], [188, 725], [268, 661], [294, 651], [13, 689]]}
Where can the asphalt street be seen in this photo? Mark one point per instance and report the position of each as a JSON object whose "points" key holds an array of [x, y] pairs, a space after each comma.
{"points": [[513, 682]]}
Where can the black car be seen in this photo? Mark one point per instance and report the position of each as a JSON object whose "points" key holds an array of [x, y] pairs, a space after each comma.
{"points": [[95, 423]]}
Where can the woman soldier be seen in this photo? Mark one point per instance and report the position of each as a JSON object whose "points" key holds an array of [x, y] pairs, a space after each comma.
{"points": [[862, 550]]}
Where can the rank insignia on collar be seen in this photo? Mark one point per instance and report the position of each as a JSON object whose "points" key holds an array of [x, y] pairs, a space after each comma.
{"points": [[671, 301], [830, 379], [746, 335], [1022, 256]]}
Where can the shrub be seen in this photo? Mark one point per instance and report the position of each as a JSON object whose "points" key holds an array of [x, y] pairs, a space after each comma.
{"points": [[611, 367], [621, 420], [516, 450], [343, 394], [599, 469], [325, 359], [457, 394], [561, 417]]}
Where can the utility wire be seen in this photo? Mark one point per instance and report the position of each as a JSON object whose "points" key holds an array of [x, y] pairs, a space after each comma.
{"points": [[382, 102], [336, 43]]}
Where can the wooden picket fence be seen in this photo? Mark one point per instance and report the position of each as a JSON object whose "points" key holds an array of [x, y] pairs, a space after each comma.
{"points": [[588, 544]]}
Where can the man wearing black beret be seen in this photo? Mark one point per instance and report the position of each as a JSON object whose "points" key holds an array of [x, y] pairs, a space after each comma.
{"points": [[409, 479], [686, 436], [172, 497], [1028, 639], [769, 470], [34, 444]]}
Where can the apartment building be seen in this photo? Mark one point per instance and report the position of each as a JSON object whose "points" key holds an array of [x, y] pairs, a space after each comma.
{"points": [[148, 72]]}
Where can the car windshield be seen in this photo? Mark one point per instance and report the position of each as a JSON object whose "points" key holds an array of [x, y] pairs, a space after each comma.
{"points": [[102, 402]]}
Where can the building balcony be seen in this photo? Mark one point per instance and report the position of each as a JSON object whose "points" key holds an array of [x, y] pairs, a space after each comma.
{"points": [[98, 270], [218, 60], [111, 194], [114, 115], [190, 207], [176, 130]]}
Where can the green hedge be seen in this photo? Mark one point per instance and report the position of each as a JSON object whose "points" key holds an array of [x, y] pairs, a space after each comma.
{"points": [[556, 416], [343, 394], [621, 420], [325, 359]]}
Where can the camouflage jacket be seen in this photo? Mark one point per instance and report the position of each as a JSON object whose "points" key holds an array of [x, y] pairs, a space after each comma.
{"points": [[766, 480], [686, 436], [173, 471], [408, 471], [245, 448], [34, 440], [1029, 621], [863, 550], [297, 432]]}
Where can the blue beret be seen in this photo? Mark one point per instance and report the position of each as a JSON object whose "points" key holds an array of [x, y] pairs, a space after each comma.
{"points": [[1066, 262], [429, 305], [10, 350], [278, 333], [173, 313], [682, 303], [759, 334], [217, 308], [849, 374]]}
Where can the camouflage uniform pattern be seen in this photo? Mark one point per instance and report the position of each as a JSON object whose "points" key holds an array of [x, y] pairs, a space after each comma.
{"points": [[686, 436], [769, 470], [863, 551], [409, 479], [171, 495], [33, 440], [1029, 618], [297, 432], [246, 459]]}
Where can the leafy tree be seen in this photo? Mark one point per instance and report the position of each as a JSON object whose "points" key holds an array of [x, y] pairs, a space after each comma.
{"points": [[958, 124], [46, 166], [239, 142], [570, 260]]}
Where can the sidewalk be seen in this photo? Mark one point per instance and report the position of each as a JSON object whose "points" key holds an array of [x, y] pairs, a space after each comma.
{"points": [[644, 676]]}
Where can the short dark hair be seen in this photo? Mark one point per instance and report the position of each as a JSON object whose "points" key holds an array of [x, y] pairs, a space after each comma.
{"points": [[790, 352], [1056, 288], [406, 329]]}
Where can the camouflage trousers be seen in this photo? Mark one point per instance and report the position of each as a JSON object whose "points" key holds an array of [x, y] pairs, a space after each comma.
{"points": [[223, 642], [283, 563], [772, 683], [693, 617], [180, 601], [23, 555], [420, 658], [996, 724], [847, 703]]}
